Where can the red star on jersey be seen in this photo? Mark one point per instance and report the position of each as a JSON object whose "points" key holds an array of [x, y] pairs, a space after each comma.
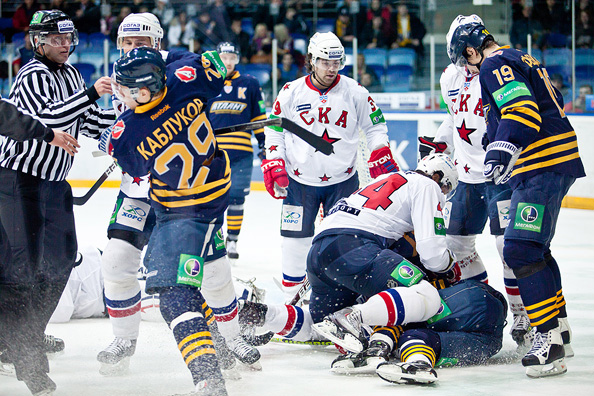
{"points": [[349, 170], [456, 162], [272, 148], [297, 173], [466, 168], [286, 86], [136, 180], [464, 132], [327, 137], [325, 178]]}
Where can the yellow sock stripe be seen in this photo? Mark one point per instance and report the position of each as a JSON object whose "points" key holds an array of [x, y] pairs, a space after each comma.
{"points": [[208, 315], [548, 301], [422, 349], [192, 337], [197, 345], [545, 319], [237, 217], [537, 313], [560, 299], [234, 222], [201, 352]]}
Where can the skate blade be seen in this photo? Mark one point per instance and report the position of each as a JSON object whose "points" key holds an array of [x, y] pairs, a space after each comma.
{"points": [[114, 370], [231, 374], [328, 330], [257, 366], [346, 367], [394, 374], [7, 370], [53, 355], [557, 367]]}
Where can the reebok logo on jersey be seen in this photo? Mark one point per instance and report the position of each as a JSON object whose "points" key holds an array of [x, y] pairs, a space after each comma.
{"points": [[186, 74], [118, 129]]}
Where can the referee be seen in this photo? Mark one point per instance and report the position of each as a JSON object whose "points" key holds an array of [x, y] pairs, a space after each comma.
{"points": [[35, 200]]}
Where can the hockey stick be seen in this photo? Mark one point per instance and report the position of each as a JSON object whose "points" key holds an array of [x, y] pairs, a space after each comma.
{"points": [[315, 141], [298, 299], [310, 342], [82, 200]]}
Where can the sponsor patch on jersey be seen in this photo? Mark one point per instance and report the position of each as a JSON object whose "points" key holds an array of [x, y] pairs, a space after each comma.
{"points": [[218, 240], [190, 270], [303, 107], [440, 228], [442, 312], [447, 210], [529, 217], [503, 212], [186, 73], [407, 274], [228, 89], [262, 105], [292, 218], [132, 213], [509, 92], [118, 129], [377, 117]]}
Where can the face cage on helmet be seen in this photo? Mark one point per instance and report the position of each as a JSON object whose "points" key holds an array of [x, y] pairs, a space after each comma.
{"points": [[342, 61], [122, 92]]}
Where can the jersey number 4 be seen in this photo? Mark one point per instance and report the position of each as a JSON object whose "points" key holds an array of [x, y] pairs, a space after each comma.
{"points": [[378, 193]]}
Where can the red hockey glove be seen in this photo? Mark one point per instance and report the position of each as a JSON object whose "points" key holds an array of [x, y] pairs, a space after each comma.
{"points": [[381, 161], [276, 179], [428, 146]]}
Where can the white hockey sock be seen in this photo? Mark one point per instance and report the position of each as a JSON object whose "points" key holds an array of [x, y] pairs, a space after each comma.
{"points": [[219, 293], [294, 263], [471, 264], [516, 306], [401, 305], [289, 321], [119, 263]]}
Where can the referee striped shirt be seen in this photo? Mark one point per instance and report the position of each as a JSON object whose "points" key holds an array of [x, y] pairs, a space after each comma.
{"points": [[59, 97]]}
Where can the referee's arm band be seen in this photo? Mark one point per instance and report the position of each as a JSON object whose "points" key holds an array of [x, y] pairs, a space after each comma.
{"points": [[92, 93], [49, 135]]}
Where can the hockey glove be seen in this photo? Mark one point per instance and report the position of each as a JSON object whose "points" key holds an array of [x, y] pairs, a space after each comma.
{"points": [[276, 179], [499, 161], [262, 153], [428, 146], [381, 161], [105, 141]]}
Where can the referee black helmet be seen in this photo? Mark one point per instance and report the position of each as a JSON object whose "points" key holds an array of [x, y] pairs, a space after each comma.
{"points": [[51, 22]]}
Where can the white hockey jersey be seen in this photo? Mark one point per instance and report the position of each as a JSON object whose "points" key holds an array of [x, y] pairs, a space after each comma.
{"points": [[336, 115], [392, 205], [464, 127]]}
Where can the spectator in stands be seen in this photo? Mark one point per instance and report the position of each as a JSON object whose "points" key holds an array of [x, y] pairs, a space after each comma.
{"points": [[376, 34], [585, 5], [220, 15], [181, 30], [523, 25], [409, 30], [113, 33], [345, 27], [23, 14], [295, 22], [61, 5], [284, 39], [270, 13], [584, 30], [369, 82], [87, 17], [24, 55], [288, 70], [377, 9], [242, 39], [554, 21], [261, 45], [141, 5], [579, 106], [164, 12], [558, 82], [207, 31], [363, 68]]}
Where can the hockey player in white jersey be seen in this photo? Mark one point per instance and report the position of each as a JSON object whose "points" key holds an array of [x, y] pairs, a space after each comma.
{"points": [[334, 107], [359, 253], [476, 199]]}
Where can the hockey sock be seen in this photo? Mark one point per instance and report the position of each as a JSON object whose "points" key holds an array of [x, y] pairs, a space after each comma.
{"points": [[294, 260], [417, 350], [514, 299], [554, 267], [387, 334], [401, 305], [234, 221], [470, 263], [218, 290], [181, 308], [289, 321], [119, 264]]}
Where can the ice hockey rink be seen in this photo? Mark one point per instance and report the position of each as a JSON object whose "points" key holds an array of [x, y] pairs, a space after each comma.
{"points": [[157, 368]]}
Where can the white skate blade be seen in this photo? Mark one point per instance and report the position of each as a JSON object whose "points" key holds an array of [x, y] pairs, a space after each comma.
{"points": [[557, 367], [114, 370], [7, 369], [54, 355], [346, 367], [250, 367], [393, 373], [329, 330], [231, 374]]}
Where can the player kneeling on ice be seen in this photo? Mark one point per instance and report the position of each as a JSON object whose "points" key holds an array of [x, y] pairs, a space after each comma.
{"points": [[190, 178]]}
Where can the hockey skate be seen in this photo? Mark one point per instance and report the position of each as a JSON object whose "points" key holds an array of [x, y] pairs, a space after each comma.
{"points": [[566, 336], [546, 356], [364, 362], [208, 387], [40, 384], [232, 249], [53, 346], [344, 328], [245, 353], [6, 367], [520, 332], [417, 372], [115, 359], [252, 313]]}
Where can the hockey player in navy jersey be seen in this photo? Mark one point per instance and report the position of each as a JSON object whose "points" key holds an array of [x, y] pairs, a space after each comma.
{"points": [[190, 179], [533, 147], [239, 102]]}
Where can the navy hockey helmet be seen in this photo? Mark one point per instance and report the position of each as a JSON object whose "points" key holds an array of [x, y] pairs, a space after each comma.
{"points": [[45, 23], [142, 67], [465, 32]]}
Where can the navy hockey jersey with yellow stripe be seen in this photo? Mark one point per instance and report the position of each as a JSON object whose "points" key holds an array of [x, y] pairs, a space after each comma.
{"points": [[239, 102], [524, 108], [173, 139]]}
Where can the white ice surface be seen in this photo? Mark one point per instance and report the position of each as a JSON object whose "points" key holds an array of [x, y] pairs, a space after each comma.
{"points": [[157, 367]]}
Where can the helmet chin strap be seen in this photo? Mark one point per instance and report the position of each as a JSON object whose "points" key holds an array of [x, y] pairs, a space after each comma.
{"points": [[313, 73]]}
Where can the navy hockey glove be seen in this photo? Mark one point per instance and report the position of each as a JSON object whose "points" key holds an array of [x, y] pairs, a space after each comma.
{"points": [[428, 146], [262, 152], [381, 161], [499, 161], [105, 141]]}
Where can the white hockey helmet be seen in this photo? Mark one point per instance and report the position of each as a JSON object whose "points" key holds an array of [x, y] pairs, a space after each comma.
{"points": [[143, 24], [326, 46], [444, 166]]}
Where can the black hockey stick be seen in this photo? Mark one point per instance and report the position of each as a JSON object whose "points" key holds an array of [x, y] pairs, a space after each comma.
{"points": [[82, 200], [315, 141]]}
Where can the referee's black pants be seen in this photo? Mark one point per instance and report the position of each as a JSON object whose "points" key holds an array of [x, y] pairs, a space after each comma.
{"points": [[38, 250]]}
